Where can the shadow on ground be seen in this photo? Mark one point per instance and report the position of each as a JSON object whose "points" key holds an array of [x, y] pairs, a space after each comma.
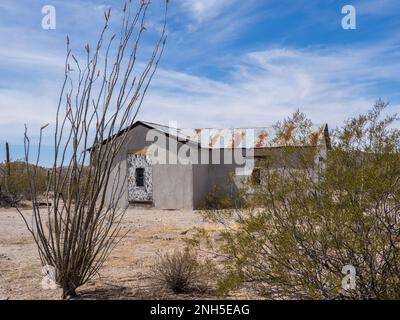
{"points": [[106, 292]]}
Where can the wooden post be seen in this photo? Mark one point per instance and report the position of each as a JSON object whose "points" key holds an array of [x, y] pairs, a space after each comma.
{"points": [[8, 159], [8, 168]]}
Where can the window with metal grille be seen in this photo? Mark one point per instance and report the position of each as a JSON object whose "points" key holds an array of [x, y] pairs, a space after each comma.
{"points": [[139, 177]]}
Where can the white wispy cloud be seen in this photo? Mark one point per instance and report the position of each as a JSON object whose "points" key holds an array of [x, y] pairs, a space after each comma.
{"points": [[265, 86], [34, 58], [258, 87], [203, 10]]}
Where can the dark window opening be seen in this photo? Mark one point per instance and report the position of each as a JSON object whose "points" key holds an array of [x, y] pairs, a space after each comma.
{"points": [[140, 177], [256, 176]]}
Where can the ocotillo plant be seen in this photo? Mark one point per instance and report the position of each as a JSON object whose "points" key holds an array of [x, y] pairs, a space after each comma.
{"points": [[77, 230]]}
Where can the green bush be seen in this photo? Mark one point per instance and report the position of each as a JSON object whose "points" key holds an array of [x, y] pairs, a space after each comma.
{"points": [[181, 272], [17, 183], [301, 227]]}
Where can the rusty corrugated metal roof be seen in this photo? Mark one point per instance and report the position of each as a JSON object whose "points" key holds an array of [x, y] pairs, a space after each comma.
{"points": [[267, 137], [256, 137], [144, 151]]}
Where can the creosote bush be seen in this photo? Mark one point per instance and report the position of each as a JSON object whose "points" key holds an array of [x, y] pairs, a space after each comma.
{"points": [[301, 227], [8, 200], [17, 183], [181, 271]]}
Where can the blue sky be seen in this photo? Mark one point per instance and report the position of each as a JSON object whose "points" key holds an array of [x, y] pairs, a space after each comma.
{"points": [[228, 63]]}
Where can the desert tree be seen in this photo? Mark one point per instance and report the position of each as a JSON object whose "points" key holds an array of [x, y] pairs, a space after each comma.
{"points": [[100, 98], [305, 221]]}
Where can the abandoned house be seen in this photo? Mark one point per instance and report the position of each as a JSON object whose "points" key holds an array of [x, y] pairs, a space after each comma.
{"points": [[169, 168]]}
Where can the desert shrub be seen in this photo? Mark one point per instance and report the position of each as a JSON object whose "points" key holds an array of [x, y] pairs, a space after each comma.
{"points": [[17, 182], [218, 198], [304, 226], [181, 271], [8, 200], [225, 195]]}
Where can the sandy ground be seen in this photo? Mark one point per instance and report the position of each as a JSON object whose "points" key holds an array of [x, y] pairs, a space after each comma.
{"points": [[126, 275]]}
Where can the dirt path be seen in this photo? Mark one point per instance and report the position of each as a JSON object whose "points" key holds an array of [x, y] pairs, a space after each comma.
{"points": [[125, 276]]}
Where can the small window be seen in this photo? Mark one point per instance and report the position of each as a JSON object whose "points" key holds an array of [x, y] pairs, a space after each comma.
{"points": [[140, 177]]}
